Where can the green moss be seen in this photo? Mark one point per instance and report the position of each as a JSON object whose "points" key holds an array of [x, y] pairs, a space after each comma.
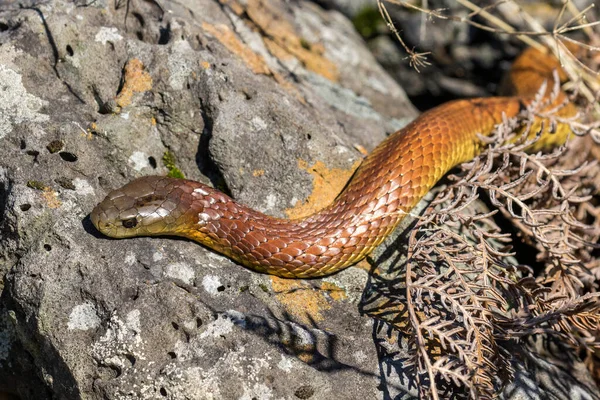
{"points": [[367, 21], [36, 185], [65, 183], [264, 287], [169, 162], [55, 146], [305, 44]]}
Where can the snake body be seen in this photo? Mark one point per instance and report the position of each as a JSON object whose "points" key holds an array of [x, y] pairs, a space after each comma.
{"points": [[386, 186]]}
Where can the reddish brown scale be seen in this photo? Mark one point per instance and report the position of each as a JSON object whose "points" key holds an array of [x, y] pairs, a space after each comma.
{"points": [[389, 183]]}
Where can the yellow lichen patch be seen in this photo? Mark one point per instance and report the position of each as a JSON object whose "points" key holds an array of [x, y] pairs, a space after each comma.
{"points": [[51, 198], [48, 194], [136, 80], [364, 265], [308, 355], [205, 64], [300, 299], [87, 134], [282, 34], [258, 172], [327, 184], [228, 38]]}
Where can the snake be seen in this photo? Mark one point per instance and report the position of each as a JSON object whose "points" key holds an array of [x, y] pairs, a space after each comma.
{"points": [[390, 181]]}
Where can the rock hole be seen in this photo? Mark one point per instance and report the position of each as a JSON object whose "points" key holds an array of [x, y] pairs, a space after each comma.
{"points": [[102, 181], [25, 207], [23, 144], [308, 136], [175, 326], [165, 35], [70, 51], [221, 288], [140, 18], [198, 322], [3, 27], [47, 247], [34, 154], [68, 156], [116, 369], [140, 35], [172, 355], [152, 162], [131, 359], [163, 392]]}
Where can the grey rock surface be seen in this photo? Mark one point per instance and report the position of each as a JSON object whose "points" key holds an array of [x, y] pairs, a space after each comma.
{"points": [[267, 100]]}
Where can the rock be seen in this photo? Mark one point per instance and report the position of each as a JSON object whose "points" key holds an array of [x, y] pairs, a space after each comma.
{"points": [[350, 8], [269, 109]]}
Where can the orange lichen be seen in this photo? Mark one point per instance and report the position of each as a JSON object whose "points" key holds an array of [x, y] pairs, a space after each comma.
{"points": [[258, 172], [280, 36], [304, 301], [205, 64], [283, 41], [228, 38], [327, 183], [135, 80]]}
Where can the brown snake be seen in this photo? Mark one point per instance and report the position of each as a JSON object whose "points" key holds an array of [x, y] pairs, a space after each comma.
{"points": [[386, 186]]}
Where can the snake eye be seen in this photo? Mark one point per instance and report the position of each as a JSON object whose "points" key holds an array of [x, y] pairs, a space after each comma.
{"points": [[129, 223]]}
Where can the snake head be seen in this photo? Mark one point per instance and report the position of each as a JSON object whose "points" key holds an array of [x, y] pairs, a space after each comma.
{"points": [[150, 206]]}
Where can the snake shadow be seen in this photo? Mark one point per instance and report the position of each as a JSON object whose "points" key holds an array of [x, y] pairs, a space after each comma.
{"points": [[306, 342], [384, 299], [90, 229]]}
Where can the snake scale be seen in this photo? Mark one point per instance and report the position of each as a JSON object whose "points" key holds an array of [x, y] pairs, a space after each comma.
{"points": [[386, 186]]}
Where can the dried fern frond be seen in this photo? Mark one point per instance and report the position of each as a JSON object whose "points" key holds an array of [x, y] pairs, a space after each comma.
{"points": [[464, 295]]}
